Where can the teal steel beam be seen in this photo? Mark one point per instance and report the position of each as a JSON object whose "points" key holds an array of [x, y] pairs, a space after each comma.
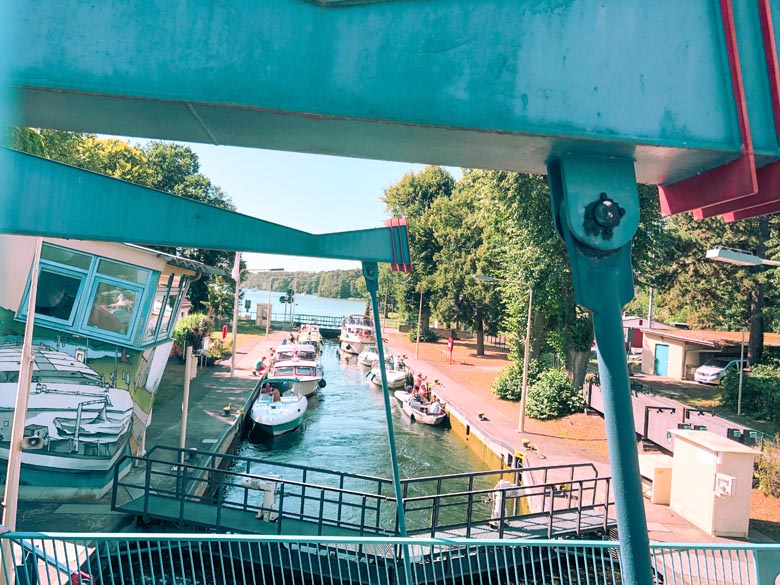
{"points": [[371, 275], [488, 84], [596, 210], [42, 197]]}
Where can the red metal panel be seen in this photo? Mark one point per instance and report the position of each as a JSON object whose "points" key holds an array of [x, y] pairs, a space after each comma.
{"points": [[768, 191], [768, 176], [732, 180], [400, 243], [765, 209]]}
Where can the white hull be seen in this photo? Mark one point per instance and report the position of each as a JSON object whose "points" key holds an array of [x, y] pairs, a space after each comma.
{"points": [[80, 424], [395, 379], [352, 346], [277, 418]]}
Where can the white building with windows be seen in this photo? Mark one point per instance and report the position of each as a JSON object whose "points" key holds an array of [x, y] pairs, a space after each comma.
{"points": [[104, 318]]}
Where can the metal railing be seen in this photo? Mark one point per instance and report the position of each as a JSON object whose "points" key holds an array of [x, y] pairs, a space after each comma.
{"points": [[196, 558], [228, 492]]}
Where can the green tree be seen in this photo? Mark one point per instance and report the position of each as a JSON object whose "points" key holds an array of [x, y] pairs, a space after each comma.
{"points": [[460, 228], [412, 197]]}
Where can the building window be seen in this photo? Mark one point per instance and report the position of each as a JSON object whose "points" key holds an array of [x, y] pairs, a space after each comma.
{"points": [[113, 307], [57, 294]]}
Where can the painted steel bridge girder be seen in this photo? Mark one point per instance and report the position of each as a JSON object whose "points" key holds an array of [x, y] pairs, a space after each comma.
{"points": [[46, 198], [596, 209], [492, 84]]}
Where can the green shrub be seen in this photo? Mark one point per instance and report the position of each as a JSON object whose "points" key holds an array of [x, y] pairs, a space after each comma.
{"points": [[190, 330], [760, 392], [509, 383], [552, 396], [218, 350], [768, 469], [426, 335]]}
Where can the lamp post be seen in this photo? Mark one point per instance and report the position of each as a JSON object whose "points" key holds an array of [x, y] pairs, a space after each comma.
{"points": [[526, 346], [235, 311], [740, 258]]}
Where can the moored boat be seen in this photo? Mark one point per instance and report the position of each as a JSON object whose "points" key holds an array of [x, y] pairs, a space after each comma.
{"points": [[357, 331], [418, 409], [309, 375], [368, 356], [310, 333], [281, 416], [395, 372]]}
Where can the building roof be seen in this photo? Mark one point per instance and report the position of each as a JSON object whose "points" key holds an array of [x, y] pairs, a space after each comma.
{"points": [[181, 262], [709, 338]]}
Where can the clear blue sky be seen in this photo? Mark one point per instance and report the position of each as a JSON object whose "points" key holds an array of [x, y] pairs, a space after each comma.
{"points": [[314, 193]]}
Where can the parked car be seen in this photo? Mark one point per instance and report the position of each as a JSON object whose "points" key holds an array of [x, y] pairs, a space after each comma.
{"points": [[715, 369]]}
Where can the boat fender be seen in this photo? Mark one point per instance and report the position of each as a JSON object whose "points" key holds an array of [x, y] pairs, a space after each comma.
{"points": [[322, 383], [412, 417]]}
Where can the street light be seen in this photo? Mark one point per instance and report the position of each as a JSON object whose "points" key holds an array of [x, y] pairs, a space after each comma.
{"points": [[235, 311], [740, 258], [526, 348]]}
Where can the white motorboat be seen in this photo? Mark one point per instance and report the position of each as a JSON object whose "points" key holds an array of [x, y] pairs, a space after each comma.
{"points": [[283, 415], [368, 356], [357, 331], [303, 352], [76, 422], [394, 370], [310, 333], [418, 410], [309, 374]]}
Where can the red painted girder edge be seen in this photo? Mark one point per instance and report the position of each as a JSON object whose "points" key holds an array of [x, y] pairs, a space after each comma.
{"points": [[768, 179], [732, 180], [768, 191], [400, 245], [757, 211]]}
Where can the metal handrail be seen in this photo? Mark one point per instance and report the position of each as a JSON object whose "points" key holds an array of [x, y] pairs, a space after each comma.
{"points": [[243, 559]]}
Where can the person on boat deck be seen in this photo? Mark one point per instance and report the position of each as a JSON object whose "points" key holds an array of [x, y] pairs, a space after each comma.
{"points": [[418, 381], [259, 366], [423, 391], [268, 389], [434, 408]]}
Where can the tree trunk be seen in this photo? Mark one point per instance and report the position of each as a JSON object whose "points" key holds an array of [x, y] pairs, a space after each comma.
{"points": [[537, 335], [756, 324], [756, 341], [577, 366], [479, 328]]}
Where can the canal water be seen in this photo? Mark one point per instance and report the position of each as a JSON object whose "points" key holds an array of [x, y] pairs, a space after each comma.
{"points": [[344, 429]]}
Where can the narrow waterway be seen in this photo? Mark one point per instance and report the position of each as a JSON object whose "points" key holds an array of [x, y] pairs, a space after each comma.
{"points": [[344, 430]]}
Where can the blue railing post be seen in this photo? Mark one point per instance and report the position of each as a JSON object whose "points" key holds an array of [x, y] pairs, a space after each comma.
{"points": [[596, 211]]}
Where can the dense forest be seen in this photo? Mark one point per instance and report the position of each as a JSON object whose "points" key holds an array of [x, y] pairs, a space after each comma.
{"points": [[336, 284]]}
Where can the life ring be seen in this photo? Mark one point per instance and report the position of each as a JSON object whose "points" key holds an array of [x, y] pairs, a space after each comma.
{"points": [[322, 383]]}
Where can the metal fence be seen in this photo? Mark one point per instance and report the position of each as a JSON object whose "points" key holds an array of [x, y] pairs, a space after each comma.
{"points": [[187, 559]]}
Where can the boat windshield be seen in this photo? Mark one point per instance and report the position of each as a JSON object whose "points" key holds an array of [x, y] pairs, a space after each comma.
{"points": [[284, 371], [306, 371]]}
